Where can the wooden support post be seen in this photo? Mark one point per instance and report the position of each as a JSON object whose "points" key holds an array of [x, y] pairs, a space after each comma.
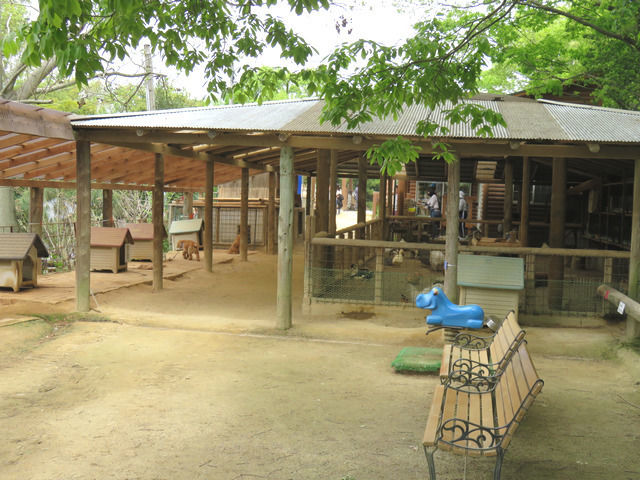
{"points": [[382, 204], [633, 327], [556, 230], [217, 225], [402, 192], [83, 225], [524, 203], [158, 222], [36, 204], [272, 226], [285, 239], [208, 216], [378, 292], [244, 214], [322, 191], [362, 189], [309, 195], [107, 208], [187, 205], [390, 195], [451, 248], [333, 191], [508, 196], [530, 279]]}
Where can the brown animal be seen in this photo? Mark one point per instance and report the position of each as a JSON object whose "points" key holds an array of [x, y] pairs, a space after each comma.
{"points": [[235, 246], [189, 249]]}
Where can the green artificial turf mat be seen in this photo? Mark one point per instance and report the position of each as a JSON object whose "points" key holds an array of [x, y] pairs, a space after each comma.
{"points": [[418, 359]]}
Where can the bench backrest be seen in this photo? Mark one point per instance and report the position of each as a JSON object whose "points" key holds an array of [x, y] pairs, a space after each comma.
{"points": [[515, 392], [506, 341]]}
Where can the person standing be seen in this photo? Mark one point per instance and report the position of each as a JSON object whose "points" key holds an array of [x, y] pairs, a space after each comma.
{"points": [[339, 201], [463, 210], [433, 204]]}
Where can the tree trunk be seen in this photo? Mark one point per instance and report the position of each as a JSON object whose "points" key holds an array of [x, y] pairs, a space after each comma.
{"points": [[7, 209]]}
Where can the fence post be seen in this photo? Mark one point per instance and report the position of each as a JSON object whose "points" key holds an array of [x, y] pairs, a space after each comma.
{"points": [[379, 271], [530, 280], [607, 279]]}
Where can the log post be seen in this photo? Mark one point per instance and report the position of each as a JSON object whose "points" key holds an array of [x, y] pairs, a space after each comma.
{"points": [[285, 239], [451, 248], [524, 203], [382, 204], [333, 191], [379, 280], [508, 196], [362, 191], [107, 208], [244, 214], [187, 204], [158, 225], [83, 225], [271, 215], [36, 203], [322, 191], [208, 216], [633, 328], [307, 203], [556, 230], [402, 192]]}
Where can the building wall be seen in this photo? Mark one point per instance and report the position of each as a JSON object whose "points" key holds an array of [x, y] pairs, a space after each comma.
{"points": [[495, 303], [9, 274], [104, 258], [141, 250]]}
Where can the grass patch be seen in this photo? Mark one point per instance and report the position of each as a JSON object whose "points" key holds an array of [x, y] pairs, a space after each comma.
{"points": [[65, 318]]}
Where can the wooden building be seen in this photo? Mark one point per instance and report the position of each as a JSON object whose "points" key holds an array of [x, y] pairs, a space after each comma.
{"points": [[142, 234], [19, 253], [191, 229], [108, 248]]}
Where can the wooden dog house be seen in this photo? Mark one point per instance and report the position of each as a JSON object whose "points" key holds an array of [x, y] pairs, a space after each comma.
{"points": [[142, 234], [494, 283], [186, 230], [19, 253], [108, 250]]}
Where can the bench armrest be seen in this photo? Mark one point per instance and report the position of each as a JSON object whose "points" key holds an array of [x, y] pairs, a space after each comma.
{"points": [[470, 341], [470, 436], [471, 376]]}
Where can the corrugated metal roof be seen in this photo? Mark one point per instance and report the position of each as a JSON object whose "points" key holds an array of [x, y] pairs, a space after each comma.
{"points": [[186, 226], [142, 231], [526, 120], [481, 271], [15, 246], [110, 237]]}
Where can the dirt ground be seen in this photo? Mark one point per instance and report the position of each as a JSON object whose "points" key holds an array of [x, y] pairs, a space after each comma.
{"points": [[195, 382]]}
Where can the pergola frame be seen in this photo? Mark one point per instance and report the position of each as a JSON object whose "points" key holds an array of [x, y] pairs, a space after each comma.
{"points": [[39, 148]]}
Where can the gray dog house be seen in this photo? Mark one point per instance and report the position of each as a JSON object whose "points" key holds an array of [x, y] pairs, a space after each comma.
{"points": [[19, 253], [186, 230], [494, 283], [108, 248]]}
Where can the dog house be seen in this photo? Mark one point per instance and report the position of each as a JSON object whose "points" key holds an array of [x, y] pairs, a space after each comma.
{"points": [[108, 250], [494, 283], [186, 230], [142, 234], [19, 253]]}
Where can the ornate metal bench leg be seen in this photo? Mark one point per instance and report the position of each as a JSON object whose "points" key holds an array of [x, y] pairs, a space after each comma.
{"points": [[428, 452], [498, 468]]}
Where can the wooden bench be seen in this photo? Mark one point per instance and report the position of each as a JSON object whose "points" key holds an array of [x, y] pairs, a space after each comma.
{"points": [[479, 361], [467, 422]]}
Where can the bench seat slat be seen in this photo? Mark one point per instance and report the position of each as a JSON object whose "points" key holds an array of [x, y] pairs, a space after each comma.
{"points": [[429, 439]]}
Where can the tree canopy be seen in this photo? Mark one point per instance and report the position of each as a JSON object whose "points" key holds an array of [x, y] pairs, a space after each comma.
{"points": [[534, 43]]}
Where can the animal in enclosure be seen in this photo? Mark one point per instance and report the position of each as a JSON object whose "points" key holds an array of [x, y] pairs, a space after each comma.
{"points": [[189, 249], [235, 246], [475, 237], [512, 236], [436, 260], [444, 313], [360, 273], [398, 258]]}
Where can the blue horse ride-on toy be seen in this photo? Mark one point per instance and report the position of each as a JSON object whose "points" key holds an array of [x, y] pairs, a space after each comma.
{"points": [[445, 314]]}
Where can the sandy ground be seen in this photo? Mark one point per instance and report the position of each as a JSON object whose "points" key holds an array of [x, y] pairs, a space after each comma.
{"points": [[195, 382]]}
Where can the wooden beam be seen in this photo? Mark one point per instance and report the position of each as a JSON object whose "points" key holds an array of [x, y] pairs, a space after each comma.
{"points": [[451, 246], [633, 331], [21, 118], [322, 190], [557, 230], [158, 225], [272, 227], [285, 241], [333, 191], [508, 195], [37, 146], [36, 204], [11, 182], [83, 225], [244, 214], [524, 202], [585, 186], [208, 216], [107, 208]]}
